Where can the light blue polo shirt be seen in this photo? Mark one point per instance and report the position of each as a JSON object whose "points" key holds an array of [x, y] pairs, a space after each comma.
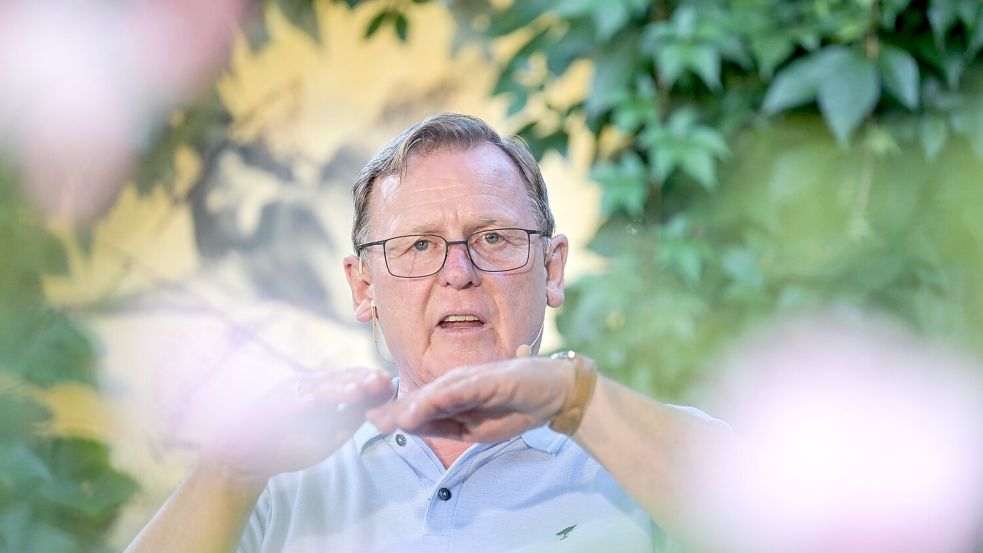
{"points": [[388, 492]]}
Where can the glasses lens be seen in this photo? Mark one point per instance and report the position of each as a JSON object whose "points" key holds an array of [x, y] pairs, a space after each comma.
{"points": [[499, 249], [415, 256]]}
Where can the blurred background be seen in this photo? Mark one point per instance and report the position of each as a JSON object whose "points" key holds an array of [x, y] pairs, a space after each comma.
{"points": [[175, 202]]}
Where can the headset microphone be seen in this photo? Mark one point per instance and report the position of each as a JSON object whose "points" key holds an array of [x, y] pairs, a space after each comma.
{"points": [[376, 326], [525, 350]]}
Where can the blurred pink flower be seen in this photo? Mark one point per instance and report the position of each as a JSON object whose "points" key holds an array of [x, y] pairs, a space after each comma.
{"points": [[855, 438], [83, 86]]}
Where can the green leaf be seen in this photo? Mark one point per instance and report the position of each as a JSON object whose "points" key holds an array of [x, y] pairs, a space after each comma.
{"points": [[710, 140], [666, 159], [539, 144], [899, 73], [968, 10], [301, 14], [51, 539], [257, 33], [625, 184], [46, 347], [376, 22], [941, 16], [615, 70], [20, 468], [517, 16], [700, 165], [84, 481], [742, 266], [890, 9], [932, 135], [705, 61], [953, 66], [671, 60], [684, 257], [849, 95], [21, 416], [771, 50], [578, 42], [610, 17], [402, 27], [976, 37], [799, 82], [684, 21], [633, 113], [681, 121]]}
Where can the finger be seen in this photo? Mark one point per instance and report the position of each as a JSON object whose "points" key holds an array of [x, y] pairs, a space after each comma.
{"points": [[462, 389], [382, 417], [350, 386], [341, 376], [413, 412]]}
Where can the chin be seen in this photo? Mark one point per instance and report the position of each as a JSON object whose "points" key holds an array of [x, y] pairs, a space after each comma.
{"points": [[449, 360]]}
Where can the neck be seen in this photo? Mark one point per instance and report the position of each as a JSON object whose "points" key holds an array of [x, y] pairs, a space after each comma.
{"points": [[447, 450]]}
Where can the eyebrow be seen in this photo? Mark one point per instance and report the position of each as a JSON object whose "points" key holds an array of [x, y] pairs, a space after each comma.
{"points": [[482, 222]]}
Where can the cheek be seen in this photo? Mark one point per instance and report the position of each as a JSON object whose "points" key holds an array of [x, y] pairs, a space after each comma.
{"points": [[524, 304], [405, 307]]}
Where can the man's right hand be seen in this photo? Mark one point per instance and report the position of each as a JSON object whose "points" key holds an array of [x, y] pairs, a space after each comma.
{"points": [[298, 423]]}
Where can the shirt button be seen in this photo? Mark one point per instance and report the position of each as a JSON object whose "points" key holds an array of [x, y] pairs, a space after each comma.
{"points": [[400, 440], [443, 494]]}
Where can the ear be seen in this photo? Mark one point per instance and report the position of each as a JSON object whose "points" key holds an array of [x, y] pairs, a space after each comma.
{"points": [[556, 262], [360, 282]]}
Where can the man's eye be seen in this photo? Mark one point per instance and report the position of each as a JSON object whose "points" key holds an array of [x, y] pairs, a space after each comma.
{"points": [[421, 245], [492, 237]]}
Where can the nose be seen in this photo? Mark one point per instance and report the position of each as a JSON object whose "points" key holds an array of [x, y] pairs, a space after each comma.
{"points": [[458, 271]]}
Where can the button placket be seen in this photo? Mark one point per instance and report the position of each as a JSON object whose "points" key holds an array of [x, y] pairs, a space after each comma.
{"points": [[446, 492]]}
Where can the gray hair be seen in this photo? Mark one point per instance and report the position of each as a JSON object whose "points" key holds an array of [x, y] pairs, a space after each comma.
{"points": [[447, 130]]}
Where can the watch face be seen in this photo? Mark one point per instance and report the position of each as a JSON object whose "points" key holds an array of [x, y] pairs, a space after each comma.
{"points": [[569, 355]]}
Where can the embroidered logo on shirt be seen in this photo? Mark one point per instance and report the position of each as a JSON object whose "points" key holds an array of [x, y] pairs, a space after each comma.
{"points": [[565, 532]]}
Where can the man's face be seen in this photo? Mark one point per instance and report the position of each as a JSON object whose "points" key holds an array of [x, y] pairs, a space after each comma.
{"points": [[454, 193]]}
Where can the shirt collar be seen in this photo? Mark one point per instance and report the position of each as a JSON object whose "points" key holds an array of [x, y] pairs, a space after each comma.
{"points": [[544, 439], [366, 434]]}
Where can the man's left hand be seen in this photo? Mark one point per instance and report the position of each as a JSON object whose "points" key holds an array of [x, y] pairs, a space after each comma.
{"points": [[482, 403]]}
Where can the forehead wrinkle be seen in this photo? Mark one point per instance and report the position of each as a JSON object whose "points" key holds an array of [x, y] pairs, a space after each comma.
{"points": [[481, 222], [486, 190]]}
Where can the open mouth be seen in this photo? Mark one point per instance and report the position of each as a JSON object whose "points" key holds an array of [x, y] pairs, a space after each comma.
{"points": [[451, 322]]}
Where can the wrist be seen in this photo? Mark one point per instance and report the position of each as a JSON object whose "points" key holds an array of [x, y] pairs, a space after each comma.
{"points": [[568, 419], [228, 478]]}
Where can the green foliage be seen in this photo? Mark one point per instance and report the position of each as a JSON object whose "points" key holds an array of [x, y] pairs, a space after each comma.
{"points": [[56, 494], [774, 155], [392, 17], [725, 200], [301, 14]]}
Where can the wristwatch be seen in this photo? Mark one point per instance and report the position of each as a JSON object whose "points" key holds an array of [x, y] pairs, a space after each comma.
{"points": [[585, 378]]}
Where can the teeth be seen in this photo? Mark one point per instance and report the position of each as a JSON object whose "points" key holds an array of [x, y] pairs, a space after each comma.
{"points": [[460, 318]]}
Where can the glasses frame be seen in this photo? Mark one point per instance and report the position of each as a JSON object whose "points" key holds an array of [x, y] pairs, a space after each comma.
{"points": [[447, 248]]}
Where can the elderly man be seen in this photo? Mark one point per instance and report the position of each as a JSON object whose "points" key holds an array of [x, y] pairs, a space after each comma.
{"points": [[479, 444]]}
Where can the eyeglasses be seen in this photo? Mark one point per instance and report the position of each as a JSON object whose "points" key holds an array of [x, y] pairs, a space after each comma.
{"points": [[422, 255]]}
